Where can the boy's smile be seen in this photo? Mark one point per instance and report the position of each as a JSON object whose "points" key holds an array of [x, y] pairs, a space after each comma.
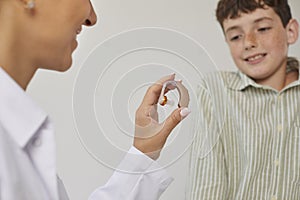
{"points": [[259, 44], [256, 58]]}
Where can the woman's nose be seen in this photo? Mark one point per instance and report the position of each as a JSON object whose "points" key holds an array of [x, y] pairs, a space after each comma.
{"points": [[92, 19]]}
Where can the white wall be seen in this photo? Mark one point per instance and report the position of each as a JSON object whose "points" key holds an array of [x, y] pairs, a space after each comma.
{"points": [[82, 173]]}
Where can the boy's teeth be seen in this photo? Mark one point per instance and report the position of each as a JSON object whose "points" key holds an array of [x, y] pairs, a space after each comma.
{"points": [[255, 57]]}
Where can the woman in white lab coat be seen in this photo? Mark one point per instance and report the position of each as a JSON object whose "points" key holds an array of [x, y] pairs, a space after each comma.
{"points": [[41, 34]]}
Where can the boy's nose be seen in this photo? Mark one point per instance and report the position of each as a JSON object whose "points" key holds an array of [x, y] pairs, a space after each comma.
{"points": [[250, 41]]}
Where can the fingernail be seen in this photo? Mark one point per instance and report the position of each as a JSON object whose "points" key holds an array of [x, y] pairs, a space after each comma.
{"points": [[173, 83], [184, 112], [173, 74]]}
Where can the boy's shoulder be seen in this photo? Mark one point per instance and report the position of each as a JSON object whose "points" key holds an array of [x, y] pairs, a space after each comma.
{"points": [[235, 80]]}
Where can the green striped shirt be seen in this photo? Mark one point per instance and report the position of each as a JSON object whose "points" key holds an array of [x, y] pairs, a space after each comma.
{"points": [[247, 143]]}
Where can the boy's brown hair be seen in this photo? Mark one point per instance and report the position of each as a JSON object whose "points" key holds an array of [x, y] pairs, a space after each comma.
{"points": [[231, 9]]}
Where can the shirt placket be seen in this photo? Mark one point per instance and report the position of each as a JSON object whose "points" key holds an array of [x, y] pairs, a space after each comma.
{"points": [[42, 153], [277, 146]]}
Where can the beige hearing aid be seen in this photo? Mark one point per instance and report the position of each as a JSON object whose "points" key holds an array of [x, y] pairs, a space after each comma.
{"points": [[184, 97]]}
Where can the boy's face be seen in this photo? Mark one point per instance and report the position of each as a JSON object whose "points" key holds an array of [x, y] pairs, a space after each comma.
{"points": [[259, 43]]}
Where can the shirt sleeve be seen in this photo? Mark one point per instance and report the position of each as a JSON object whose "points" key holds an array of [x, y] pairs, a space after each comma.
{"points": [[138, 177], [207, 177]]}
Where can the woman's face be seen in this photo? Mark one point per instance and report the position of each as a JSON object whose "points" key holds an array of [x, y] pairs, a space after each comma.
{"points": [[53, 28]]}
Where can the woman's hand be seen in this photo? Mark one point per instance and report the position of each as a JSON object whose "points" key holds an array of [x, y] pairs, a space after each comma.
{"points": [[150, 135]]}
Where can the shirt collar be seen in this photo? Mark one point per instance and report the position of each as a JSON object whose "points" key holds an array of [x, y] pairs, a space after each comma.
{"points": [[242, 81], [19, 115]]}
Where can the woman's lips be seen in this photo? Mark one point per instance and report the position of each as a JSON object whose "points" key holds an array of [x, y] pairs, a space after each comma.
{"points": [[78, 31]]}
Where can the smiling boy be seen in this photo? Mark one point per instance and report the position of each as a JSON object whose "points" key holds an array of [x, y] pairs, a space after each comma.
{"points": [[258, 42], [253, 113]]}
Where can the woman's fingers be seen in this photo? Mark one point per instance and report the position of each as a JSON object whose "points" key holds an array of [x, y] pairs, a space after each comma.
{"points": [[153, 92]]}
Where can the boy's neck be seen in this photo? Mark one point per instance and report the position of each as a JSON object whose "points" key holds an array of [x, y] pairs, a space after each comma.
{"points": [[281, 80], [291, 77]]}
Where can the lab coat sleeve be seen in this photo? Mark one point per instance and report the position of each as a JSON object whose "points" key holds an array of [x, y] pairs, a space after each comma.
{"points": [[138, 178]]}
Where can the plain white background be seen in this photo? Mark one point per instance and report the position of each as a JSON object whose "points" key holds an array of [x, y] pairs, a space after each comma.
{"points": [[53, 91]]}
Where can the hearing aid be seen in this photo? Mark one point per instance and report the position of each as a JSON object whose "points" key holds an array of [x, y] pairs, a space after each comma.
{"points": [[184, 97]]}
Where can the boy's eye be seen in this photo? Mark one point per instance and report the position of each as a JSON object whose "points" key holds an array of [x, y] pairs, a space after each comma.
{"points": [[264, 29], [234, 38]]}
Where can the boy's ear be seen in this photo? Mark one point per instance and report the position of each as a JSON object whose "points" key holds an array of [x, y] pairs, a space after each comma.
{"points": [[292, 30]]}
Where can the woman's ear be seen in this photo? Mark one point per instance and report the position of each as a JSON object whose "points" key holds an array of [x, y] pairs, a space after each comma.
{"points": [[292, 31]]}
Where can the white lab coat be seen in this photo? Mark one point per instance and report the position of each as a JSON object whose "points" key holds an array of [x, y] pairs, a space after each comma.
{"points": [[28, 163]]}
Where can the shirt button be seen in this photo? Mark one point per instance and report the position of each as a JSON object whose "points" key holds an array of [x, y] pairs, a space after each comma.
{"points": [[279, 128], [276, 162], [279, 97], [36, 142]]}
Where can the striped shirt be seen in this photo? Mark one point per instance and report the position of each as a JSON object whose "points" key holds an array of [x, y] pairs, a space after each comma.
{"points": [[247, 141]]}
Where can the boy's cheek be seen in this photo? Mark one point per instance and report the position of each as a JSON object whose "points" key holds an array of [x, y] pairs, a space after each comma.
{"points": [[235, 53]]}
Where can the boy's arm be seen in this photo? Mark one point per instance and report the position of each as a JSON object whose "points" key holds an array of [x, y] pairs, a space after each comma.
{"points": [[207, 168], [208, 176]]}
